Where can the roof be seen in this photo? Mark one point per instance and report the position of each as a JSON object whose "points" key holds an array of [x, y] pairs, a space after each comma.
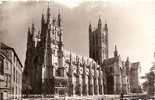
{"points": [[110, 60], [4, 46], [135, 65]]}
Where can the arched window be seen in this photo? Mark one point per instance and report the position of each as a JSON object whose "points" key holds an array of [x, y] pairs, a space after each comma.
{"points": [[60, 72], [1, 66]]}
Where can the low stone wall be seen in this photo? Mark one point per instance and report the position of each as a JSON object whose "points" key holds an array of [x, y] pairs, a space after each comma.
{"points": [[96, 97]]}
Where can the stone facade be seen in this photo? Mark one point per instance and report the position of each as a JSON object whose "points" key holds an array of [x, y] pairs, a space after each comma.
{"points": [[51, 70], [84, 76], [10, 73], [122, 76]]}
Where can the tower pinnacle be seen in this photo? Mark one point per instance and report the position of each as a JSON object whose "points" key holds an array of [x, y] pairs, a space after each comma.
{"points": [[90, 28], [32, 28], [115, 52], [48, 14], [59, 19], [42, 19], [106, 26], [127, 59], [99, 23]]}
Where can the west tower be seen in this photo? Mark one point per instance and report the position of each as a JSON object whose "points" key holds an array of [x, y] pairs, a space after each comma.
{"points": [[44, 71]]}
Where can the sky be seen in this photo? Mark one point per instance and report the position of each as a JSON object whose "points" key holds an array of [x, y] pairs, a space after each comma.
{"points": [[130, 23]]}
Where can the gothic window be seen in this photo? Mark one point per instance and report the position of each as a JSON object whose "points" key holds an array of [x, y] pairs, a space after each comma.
{"points": [[57, 73], [103, 54], [7, 80], [16, 76], [60, 72], [14, 59], [7, 66], [14, 73], [111, 70], [103, 37], [1, 67]]}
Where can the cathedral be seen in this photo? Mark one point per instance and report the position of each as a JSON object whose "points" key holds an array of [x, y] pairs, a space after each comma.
{"points": [[51, 70]]}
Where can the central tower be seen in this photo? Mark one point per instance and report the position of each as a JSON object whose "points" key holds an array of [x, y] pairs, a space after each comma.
{"points": [[98, 42]]}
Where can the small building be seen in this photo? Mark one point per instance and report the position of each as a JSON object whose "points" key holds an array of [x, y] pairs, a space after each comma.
{"points": [[10, 73]]}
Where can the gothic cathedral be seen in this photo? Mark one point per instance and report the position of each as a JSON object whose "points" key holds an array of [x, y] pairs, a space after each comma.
{"points": [[51, 70]]}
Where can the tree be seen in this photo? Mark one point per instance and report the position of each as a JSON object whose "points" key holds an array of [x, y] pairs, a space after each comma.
{"points": [[148, 85]]}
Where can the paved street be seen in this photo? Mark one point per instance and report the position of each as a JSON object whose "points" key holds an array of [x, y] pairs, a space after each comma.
{"points": [[99, 97]]}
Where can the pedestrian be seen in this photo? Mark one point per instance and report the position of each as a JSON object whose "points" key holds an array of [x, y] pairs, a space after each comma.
{"points": [[121, 97]]}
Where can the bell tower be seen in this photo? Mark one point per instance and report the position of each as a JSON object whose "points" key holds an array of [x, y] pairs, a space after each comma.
{"points": [[98, 42]]}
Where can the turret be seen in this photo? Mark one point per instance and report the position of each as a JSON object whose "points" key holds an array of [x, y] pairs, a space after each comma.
{"points": [[60, 50], [90, 28], [106, 39], [90, 41], [70, 65], [78, 65], [28, 63], [70, 57], [32, 29], [49, 49], [115, 52], [48, 15], [29, 40], [127, 65], [59, 20], [127, 60], [99, 23], [42, 20], [42, 23], [106, 27], [29, 35], [84, 66]]}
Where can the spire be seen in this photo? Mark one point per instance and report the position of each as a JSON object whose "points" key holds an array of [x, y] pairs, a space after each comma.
{"points": [[70, 57], [42, 19], [115, 52], [29, 31], [42, 23], [106, 26], [59, 19], [127, 59], [32, 28], [83, 61], [48, 14], [78, 67], [90, 27], [106, 38], [29, 37], [77, 59], [48, 50], [127, 62], [70, 65], [99, 23]]}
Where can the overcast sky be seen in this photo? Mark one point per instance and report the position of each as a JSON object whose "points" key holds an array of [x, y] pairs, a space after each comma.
{"points": [[131, 25]]}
